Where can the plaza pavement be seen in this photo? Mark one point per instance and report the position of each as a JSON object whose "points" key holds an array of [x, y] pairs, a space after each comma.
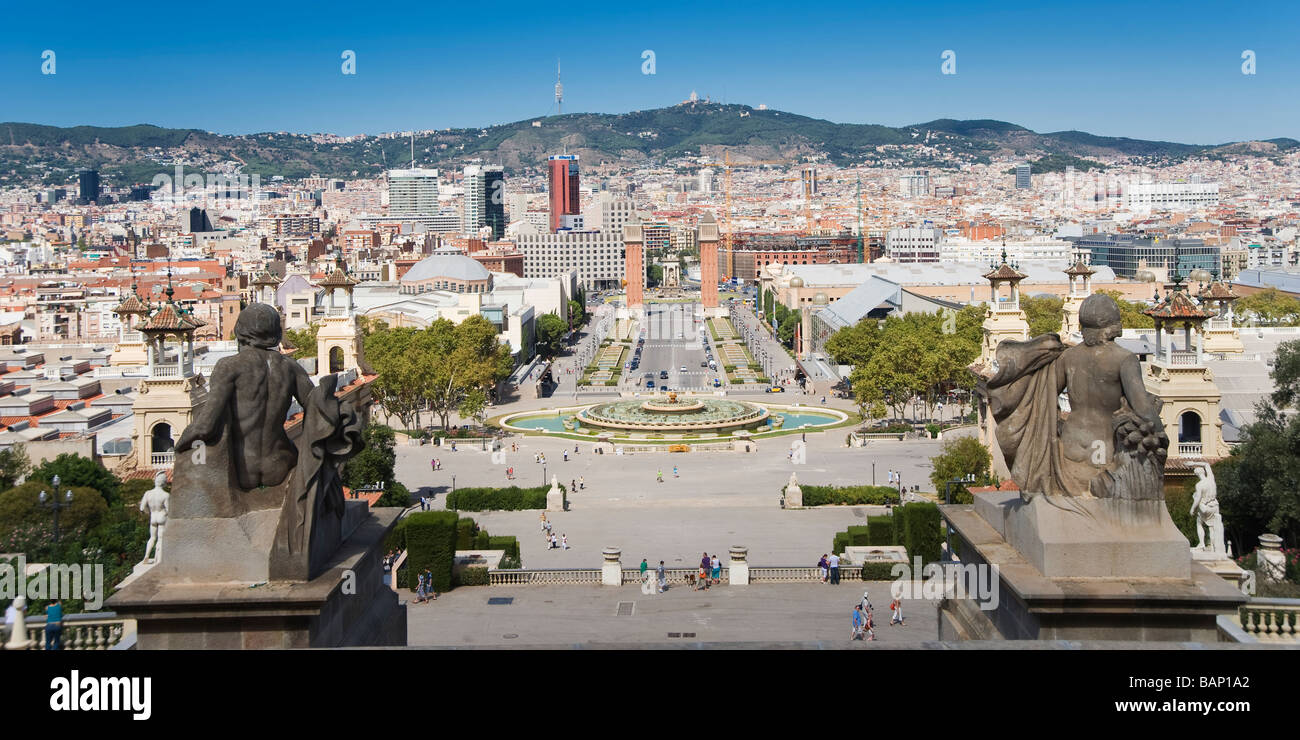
{"points": [[564, 616], [720, 499]]}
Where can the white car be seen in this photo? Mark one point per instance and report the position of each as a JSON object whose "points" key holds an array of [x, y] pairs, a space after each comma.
{"points": [[683, 368]]}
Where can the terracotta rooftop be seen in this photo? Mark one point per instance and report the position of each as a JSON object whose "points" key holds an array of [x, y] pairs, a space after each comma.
{"points": [[1178, 305], [338, 279], [1217, 291], [171, 318], [1005, 272], [132, 305], [1078, 268]]}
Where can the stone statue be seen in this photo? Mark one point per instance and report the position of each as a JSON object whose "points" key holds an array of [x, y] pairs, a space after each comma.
{"points": [[252, 390], [1205, 507], [155, 501], [331, 435], [1111, 444], [244, 463]]}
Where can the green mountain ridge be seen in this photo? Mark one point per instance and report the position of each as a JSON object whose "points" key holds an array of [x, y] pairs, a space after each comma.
{"points": [[34, 153]]}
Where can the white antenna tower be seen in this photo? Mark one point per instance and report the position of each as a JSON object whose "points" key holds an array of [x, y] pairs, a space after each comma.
{"points": [[559, 91]]}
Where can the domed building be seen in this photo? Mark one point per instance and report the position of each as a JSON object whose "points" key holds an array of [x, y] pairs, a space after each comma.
{"points": [[447, 270]]}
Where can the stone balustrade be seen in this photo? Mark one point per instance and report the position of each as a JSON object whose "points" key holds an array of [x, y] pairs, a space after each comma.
{"points": [[1270, 619], [90, 631], [592, 576]]}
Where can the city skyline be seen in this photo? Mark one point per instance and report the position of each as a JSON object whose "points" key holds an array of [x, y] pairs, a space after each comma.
{"points": [[1111, 75]]}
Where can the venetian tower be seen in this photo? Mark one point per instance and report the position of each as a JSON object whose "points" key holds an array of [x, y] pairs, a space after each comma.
{"points": [[1003, 321], [172, 388], [338, 340], [130, 348], [1221, 337], [1183, 381], [1080, 276]]}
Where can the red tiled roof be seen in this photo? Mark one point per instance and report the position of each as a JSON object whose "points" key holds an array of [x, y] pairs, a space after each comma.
{"points": [[1005, 272], [170, 318], [1217, 291], [1078, 268], [1178, 305]]}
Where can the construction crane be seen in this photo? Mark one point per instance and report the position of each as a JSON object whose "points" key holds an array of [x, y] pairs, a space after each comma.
{"points": [[727, 166]]}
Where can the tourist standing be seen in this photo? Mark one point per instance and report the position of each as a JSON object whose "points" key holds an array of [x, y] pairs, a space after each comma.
{"points": [[663, 577], [834, 564], [582, 482], [644, 567], [54, 625], [566, 455], [822, 567], [715, 571]]}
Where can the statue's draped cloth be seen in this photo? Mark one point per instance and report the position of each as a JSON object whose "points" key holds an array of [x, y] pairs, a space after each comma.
{"points": [[1022, 397]]}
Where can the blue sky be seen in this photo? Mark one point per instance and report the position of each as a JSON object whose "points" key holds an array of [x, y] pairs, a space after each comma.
{"points": [[1146, 70]]}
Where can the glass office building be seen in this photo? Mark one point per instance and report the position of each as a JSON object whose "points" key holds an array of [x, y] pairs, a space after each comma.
{"points": [[1126, 253]]}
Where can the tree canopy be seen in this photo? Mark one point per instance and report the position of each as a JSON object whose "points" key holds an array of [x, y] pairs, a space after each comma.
{"points": [[550, 335], [1043, 314], [433, 369], [961, 457], [1259, 484], [1269, 307]]}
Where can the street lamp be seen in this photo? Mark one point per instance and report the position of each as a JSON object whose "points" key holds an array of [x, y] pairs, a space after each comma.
{"points": [[55, 504]]}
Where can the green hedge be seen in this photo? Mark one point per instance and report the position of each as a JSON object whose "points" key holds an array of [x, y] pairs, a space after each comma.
{"points": [[466, 530], [880, 530], [899, 515], [858, 535], [474, 575], [923, 532], [855, 495], [512, 498], [482, 540], [431, 544], [877, 571], [509, 544], [840, 542]]}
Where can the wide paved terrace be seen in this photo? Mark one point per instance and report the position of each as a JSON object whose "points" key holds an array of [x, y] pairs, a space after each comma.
{"points": [[606, 616]]}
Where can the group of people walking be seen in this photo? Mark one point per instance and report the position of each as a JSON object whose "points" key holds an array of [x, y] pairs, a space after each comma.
{"points": [[864, 621], [548, 534]]}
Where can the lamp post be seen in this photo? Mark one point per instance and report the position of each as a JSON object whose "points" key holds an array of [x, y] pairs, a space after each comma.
{"points": [[55, 504]]}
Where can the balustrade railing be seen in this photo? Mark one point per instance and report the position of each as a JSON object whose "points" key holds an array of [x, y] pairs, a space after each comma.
{"points": [[591, 576], [83, 632], [1270, 619], [162, 459], [1189, 449]]}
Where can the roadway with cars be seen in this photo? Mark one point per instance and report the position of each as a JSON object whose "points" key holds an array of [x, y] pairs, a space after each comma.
{"points": [[672, 333]]}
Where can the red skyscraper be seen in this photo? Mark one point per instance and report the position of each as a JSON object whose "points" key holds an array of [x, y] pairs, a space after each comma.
{"points": [[564, 188]]}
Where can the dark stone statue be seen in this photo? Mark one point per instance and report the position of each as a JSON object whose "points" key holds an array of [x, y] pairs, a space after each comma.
{"points": [[242, 462], [1111, 444]]}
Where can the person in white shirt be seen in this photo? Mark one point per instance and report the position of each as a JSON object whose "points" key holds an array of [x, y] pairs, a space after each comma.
{"points": [[835, 568]]}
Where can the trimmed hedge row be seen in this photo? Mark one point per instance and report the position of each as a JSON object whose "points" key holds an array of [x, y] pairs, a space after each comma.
{"points": [[431, 545], [880, 530], [878, 571], [922, 531], [854, 495], [474, 575], [466, 530], [512, 498]]}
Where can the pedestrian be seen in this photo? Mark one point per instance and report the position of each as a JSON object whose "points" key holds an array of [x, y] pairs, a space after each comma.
{"points": [[552, 543], [644, 566], [582, 482], [54, 625], [895, 612], [419, 591], [866, 602], [573, 484], [834, 564], [871, 626], [675, 475], [663, 577], [566, 456], [543, 521], [429, 593], [859, 621], [822, 567], [715, 572], [575, 449], [564, 541], [659, 475]]}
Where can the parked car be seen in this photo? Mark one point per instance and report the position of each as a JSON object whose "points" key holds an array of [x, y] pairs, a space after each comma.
{"points": [[704, 363], [650, 384], [775, 389], [663, 375], [683, 369], [717, 383]]}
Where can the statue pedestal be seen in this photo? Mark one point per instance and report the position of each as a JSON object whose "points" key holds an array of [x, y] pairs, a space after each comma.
{"points": [[1065, 537], [347, 605], [1093, 591], [555, 499]]}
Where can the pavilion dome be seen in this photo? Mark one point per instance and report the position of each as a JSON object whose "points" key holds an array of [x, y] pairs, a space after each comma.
{"points": [[451, 265]]}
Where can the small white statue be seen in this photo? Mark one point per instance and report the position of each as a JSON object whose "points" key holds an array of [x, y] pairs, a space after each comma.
{"points": [[1205, 507], [155, 500]]}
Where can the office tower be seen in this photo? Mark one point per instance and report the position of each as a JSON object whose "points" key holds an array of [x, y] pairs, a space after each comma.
{"points": [[413, 192], [564, 190], [89, 180], [809, 177], [915, 185], [1022, 177], [706, 180], [484, 200], [196, 220]]}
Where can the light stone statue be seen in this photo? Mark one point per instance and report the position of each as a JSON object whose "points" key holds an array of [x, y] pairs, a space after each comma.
{"points": [[155, 501], [1205, 507]]}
